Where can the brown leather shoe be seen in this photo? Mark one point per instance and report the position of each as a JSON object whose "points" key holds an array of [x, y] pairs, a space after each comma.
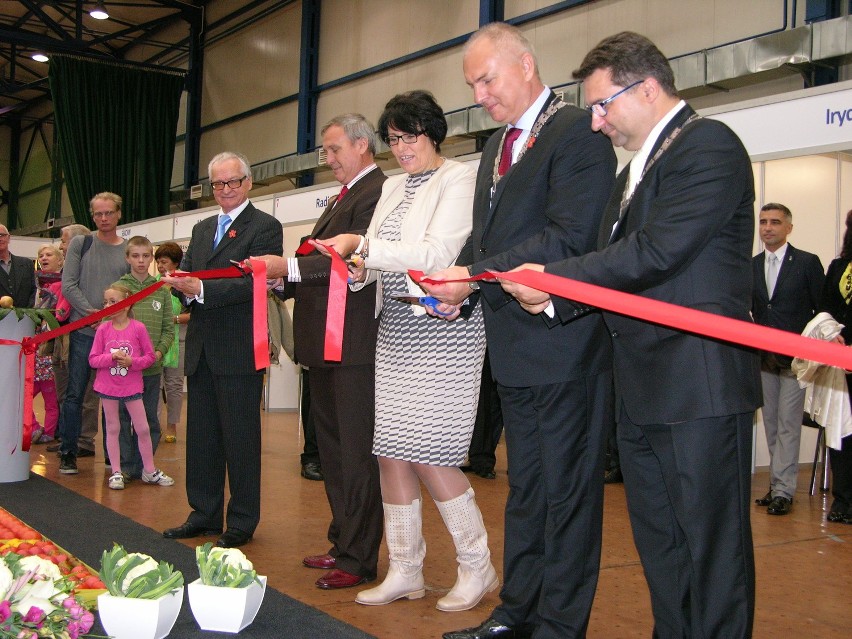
{"points": [[323, 562], [335, 579]]}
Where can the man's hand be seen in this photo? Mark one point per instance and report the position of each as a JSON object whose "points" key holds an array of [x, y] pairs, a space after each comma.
{"points": [[453, 293], [190, 286], [276, 266], [443, 311], [531, 300]]}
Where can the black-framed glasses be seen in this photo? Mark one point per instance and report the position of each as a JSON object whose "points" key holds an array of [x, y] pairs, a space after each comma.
{"points": [[231, 184], [408, 138], [599, 108]]}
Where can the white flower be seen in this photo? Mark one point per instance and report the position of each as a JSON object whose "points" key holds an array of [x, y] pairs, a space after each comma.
{"points": [[142, 569], [230, 557], [6, 579], [41, 587]]}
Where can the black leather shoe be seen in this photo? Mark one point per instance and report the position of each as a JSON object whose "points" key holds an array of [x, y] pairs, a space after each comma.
{"points": [[312, 471], [232, 538], [836, 516], [765, 500], [485, 473], [488, 629], [85, 452], [613, 476], [188, 530], [779, 506]]}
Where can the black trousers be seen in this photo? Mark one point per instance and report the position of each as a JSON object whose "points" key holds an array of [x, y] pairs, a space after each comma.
{"points": [[343, 406]]}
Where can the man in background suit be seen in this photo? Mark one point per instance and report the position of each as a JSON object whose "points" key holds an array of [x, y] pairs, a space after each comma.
{"points": [[679, 229], [787, 289], [224, 388], [544, 202], [17, 274], [342, 393]]}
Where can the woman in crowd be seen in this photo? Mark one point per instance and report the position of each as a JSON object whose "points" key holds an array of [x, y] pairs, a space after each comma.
{"points": [[427, 369], [48, 295], [168, 257], [836, 298]]}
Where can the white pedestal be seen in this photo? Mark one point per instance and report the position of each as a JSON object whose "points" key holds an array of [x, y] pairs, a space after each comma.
{"points": [[14, 462]]}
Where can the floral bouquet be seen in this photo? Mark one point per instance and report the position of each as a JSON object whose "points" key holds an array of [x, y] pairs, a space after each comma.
{"points": [[224, 567], [35, 601], [137, 576]]}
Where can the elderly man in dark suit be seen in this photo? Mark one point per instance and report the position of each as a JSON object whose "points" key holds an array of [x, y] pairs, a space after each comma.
{"points": [[224, 388], [541, 188], [17, 274], [679, 229], [787, 288], [342, 393]]}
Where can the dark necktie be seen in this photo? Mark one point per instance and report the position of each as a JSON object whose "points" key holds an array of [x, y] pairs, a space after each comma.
{"points": [[506, 154]]}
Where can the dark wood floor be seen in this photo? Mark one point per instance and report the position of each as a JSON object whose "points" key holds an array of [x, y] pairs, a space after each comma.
{"points": [[804, 564]]}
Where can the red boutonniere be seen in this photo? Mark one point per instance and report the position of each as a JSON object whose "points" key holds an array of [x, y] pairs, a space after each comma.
{"points": [[531, 142], [232, 234]]}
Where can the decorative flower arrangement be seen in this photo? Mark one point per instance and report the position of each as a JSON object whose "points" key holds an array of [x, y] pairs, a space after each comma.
{"points": [[224, 567], [35, 601], [137, 576]]}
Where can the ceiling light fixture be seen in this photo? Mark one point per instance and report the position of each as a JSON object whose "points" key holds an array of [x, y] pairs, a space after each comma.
{"points": [[39, 57], [99, 12]]}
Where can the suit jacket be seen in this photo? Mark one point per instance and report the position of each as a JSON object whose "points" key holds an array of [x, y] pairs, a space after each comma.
{"points": [[20, 284], [352, 215], [686, 239], [795, 299], [221, 327], [546, 207]]}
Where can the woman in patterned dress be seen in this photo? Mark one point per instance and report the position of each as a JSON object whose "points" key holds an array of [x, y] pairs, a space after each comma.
{"points": [[427, 370]]}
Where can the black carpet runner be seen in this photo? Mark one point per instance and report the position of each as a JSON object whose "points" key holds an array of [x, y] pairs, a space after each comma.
{"points": [[86, 529]]}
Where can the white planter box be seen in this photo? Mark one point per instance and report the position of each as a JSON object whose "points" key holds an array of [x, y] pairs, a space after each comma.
{"points": [[225, 609], [128, 618]]}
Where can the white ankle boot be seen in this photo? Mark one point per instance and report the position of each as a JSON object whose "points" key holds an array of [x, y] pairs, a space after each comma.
{"points": [[406, 549], [476, 575]]}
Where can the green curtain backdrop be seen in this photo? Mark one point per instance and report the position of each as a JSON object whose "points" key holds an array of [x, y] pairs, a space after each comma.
{"points": [[116, 128]]}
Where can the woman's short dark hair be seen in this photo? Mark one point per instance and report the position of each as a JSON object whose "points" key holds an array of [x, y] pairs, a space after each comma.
{"points": [[846, 248], [170, 250], [414, 112]]}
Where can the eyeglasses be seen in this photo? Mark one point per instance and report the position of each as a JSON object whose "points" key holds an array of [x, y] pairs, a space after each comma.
{"points": [[231, 184], [599, 108], [4, 235], [408, 138], [104, 214]]}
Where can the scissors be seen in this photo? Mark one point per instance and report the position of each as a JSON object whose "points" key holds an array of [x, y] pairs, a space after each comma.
{"points": [[426, 300]]}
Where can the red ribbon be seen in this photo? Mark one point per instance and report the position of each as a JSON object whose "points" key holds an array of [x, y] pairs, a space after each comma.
{"points": [[29, 345], [686, 319], [336, 308]]}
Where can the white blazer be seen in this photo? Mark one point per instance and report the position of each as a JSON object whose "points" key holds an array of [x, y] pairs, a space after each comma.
{"points": [[433, 232]]}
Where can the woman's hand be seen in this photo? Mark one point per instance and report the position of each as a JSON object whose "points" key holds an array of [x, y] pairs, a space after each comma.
{"points": [[357, 272], [343, 244]]}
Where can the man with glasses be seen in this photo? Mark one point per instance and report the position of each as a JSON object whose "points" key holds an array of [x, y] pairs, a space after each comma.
{"points": [[92, 263], [679, 228], [541, 188], [17, 274], [224, 388]]}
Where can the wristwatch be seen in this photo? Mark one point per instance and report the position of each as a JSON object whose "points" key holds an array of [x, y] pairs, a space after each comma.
{"points": [[474, 286]]}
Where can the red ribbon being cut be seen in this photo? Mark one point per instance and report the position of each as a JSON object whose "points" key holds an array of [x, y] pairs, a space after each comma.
{"points": [[686, 319], [29, 345], [336, 309]]}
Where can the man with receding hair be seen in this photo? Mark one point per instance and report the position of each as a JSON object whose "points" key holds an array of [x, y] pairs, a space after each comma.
{"points": [[678, 229], [542, 184]]}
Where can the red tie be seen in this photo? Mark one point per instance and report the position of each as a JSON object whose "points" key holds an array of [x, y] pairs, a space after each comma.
{"points": [[343, 192], [506, 155]]}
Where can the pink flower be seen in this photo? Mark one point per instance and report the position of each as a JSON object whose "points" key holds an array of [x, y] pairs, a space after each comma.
{"points": [[34, 615], [5, 610]]}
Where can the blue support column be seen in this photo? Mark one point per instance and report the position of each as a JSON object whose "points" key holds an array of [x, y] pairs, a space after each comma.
{"points": [[306, 133], [490, 11]]}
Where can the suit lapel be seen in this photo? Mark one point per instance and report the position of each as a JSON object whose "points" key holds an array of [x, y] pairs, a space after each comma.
{"points": [[785, 267], [233, 232]]}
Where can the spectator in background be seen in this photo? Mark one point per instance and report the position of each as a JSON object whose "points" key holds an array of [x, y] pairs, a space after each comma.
{"points": [[168, 257], [17, 275], [787, 288], [48, 296], [155, 313], [92, 263]]}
